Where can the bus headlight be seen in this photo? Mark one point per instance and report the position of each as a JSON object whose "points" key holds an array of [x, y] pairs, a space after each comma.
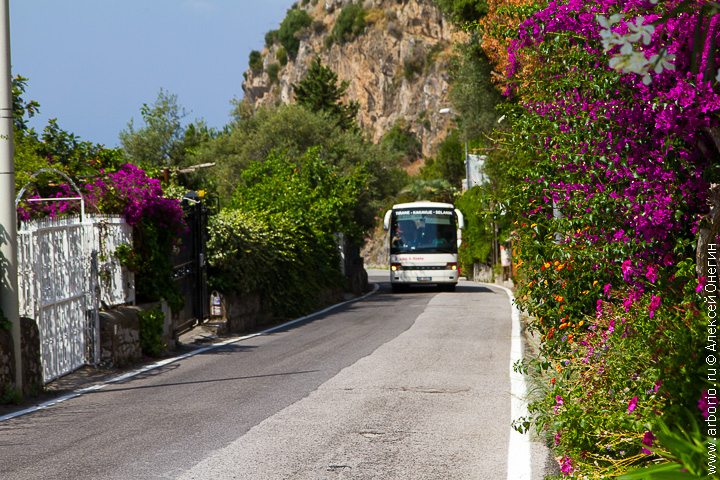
{"points": [[452, 266], [395, 267]]}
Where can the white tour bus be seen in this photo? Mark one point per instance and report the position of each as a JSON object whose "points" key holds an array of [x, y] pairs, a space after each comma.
{"points": [[424, 239]]}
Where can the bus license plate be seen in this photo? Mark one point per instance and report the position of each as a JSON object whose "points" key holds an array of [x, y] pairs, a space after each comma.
{"points": [[424, 279]]}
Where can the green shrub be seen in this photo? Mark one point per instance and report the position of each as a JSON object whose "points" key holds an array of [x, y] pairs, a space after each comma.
{"points": [[5, 324], [404, 141], [278, 237], [318, 27], [295, 21], [151, 330], [349, 24], [414, 63], [286, 262], [10, 395], [273, 71], [256, 61], [281, 56], [270, 38]]}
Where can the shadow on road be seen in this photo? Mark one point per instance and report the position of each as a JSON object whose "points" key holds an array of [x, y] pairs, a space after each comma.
{"points": [[111, 388], [386, 288]]}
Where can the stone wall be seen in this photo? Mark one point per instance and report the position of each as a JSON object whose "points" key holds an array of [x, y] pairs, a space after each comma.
{"points": [[32, 369], [120, 337], [7, 360], [243, 312], [32, 365]]}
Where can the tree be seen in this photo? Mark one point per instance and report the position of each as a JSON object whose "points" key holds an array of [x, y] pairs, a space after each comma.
{"points": [[473, 95], [293, 130], [434, 190], [403, 141], [23, 110], [319, 92], [349, 24], [159, 143], [449, 163], [55, 147]]}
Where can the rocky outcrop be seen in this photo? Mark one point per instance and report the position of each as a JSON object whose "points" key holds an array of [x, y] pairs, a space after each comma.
{"points": [[397, 68]]}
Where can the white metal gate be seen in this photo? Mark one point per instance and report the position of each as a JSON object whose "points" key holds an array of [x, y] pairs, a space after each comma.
{"points": [[54, 284], [61, 288]]}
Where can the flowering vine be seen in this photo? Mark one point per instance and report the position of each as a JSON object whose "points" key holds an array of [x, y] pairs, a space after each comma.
{"points": [[611, 183]]}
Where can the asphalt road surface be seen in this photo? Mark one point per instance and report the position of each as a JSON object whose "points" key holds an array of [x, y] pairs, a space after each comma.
{"points": [[396, 386]]}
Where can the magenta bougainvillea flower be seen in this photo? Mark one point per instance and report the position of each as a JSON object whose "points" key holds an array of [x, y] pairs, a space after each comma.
{"points": [[705, 403], [632, 404], [647, 441], [566, 466], [655, 301]]}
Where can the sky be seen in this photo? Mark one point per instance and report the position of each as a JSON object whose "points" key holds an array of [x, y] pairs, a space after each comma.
{"points": [[92, 64]]}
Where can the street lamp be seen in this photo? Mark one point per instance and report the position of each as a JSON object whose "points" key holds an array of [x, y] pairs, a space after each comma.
{"points": [[447, 111]]}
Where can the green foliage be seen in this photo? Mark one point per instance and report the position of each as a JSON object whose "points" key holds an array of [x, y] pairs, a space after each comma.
{"points": [[475, 204], [463, 11], [270, 38], [54, 147], [5, 324], [281, 56], [294, 22], [473, 95], [151, 330], [293, 130], [449, 163], [686, 457], [256, 61], [79, 159], [159, 143], [433, 190], [319, 91], [277, 256], [349, 24], [399, 138], [414, 63], [11, 395], [22, 110], [309, 190], [251, 138], [273, 71], [278, 239], [150, 260], [318, 27]]}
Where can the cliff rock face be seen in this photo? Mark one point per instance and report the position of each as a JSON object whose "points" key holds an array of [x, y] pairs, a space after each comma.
{"points": [[396, 67]]}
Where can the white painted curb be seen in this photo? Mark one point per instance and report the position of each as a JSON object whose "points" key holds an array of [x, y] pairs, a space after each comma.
{"points": [[519, 458], [167, 361]]}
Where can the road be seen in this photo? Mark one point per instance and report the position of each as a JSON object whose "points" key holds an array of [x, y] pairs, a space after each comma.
{"points": [[395, 386]]}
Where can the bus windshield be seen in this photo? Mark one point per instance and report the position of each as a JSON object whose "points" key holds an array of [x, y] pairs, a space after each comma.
{"points": [[423, 230]]}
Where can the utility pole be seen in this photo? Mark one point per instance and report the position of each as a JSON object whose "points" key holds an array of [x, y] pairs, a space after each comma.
{"points": [[8, 215]]}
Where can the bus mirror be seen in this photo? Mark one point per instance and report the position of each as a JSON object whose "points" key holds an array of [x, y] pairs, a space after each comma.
{"points": [[460, 219], [386, 220], [461, 225]]}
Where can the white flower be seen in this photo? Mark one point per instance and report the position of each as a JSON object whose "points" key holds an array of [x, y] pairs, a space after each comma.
{"points": [[640, 31]]}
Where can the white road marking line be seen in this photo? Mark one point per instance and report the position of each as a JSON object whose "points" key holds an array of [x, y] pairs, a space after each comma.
{"points": [[519, 459]]}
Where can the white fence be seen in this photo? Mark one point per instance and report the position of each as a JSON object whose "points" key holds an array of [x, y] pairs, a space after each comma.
{"points": [[66, 268]]}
